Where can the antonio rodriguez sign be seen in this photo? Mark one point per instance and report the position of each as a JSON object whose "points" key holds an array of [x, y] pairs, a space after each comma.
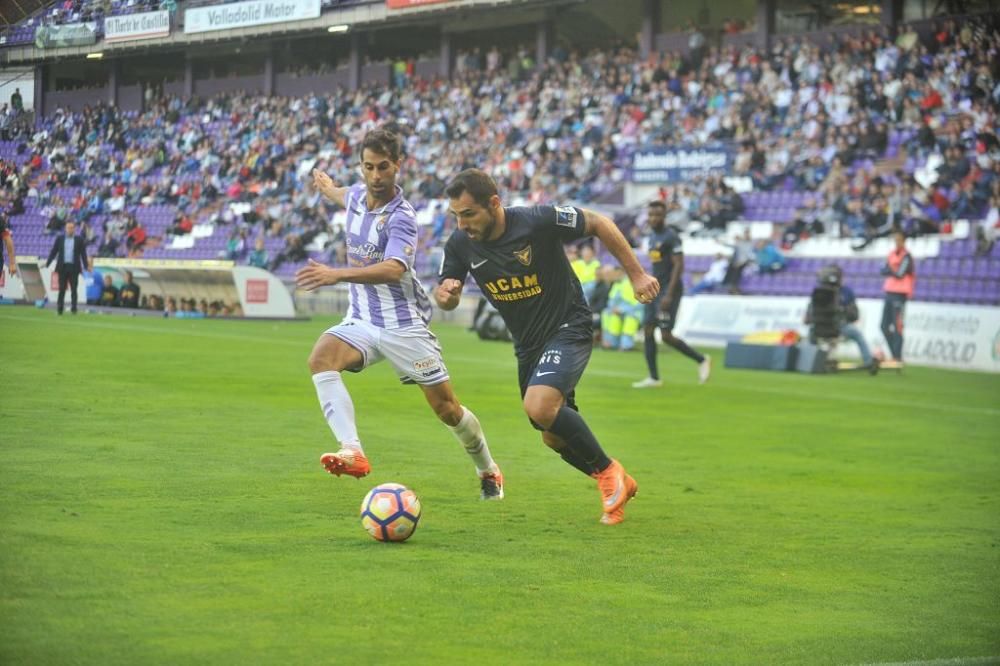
{"points": [[663, 164]]}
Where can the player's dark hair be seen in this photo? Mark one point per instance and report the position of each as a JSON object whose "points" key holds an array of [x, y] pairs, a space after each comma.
{"points": [[383, 142], [657, 203], [477, 183]]}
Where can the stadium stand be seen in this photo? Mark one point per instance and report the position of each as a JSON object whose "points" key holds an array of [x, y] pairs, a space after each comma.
{"points": [[842, 140]]}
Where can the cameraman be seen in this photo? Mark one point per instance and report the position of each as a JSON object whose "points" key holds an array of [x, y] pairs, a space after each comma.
{"points": [[833, 276]]}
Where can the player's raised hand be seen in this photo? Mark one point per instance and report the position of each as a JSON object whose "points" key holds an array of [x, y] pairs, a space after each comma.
{"points": [[448, 293], [646, 287], [315, 275], [324, 184]]}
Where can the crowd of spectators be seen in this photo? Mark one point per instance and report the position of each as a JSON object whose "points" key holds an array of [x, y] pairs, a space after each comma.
{"points": [[797, 116]]}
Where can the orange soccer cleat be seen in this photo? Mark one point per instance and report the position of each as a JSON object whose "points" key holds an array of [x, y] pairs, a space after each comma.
{"points": [[346, 461], [617, 488], [618, 515]]}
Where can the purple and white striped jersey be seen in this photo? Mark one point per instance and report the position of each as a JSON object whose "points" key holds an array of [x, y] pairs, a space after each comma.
{"points": [[388, 232]]}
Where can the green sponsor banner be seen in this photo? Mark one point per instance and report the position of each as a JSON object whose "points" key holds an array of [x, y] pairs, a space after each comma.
{"points": [[71, 34]]}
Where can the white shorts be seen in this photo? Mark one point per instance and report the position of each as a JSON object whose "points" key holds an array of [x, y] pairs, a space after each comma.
{"points": [[414, 352]]}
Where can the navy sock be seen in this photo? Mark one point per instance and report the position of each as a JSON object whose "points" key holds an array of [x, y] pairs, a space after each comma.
{"points": [[649, 347], [683, 348], [571, 458], [581, 441]]}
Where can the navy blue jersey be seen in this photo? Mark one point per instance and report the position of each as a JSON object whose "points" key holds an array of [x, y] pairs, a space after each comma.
{"points": [[664, 243], [525, 273]]}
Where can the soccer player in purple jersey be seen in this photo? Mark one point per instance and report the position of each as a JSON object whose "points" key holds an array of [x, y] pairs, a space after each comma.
{"points": [[387, 317]]}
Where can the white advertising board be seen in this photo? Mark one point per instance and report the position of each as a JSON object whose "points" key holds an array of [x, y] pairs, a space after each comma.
{"points": [[248, 14], [945, 335], [127, 27]]}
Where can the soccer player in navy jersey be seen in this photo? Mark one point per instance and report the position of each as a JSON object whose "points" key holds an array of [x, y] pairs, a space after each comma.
{"points": [[667, 258], [387, 315], [515, 255]]}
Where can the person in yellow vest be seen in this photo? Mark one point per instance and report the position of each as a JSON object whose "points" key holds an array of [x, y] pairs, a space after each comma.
{"points": [[900, 279], [585, 266], [620, 319]]}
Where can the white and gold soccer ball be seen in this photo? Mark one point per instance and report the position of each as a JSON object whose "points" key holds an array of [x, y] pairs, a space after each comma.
{"points": [[390, 512]]}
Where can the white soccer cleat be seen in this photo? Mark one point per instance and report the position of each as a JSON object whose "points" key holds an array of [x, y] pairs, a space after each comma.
{"points": [[491, 485], [648, 382], [705, 369]]}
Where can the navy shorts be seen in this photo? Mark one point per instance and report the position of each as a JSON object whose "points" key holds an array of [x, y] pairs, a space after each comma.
{"points": [[559, 364], [661, 319]]}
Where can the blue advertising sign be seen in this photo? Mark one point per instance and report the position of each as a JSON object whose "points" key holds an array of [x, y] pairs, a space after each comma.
{"points": [[665, 164]]}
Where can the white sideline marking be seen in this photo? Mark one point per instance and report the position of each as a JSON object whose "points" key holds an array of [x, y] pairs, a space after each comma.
{"points": [[592, 371], [68, 320], [954, 661]]}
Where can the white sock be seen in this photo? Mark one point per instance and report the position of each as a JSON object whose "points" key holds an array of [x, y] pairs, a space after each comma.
{"points": [[338, 408], [470, 434]]}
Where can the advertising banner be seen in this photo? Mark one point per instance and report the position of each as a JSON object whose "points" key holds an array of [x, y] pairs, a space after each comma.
{"points": [[663, 164], [70, 34], [147, 25], [944, 335], [247, 14]]}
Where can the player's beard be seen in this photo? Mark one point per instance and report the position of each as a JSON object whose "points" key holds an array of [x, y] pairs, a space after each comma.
{"points": [[489, 228]]}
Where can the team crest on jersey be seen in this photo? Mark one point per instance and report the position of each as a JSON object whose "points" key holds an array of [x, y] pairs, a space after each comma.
{"points": [[380, 222], [524, 255], [566, 216]]}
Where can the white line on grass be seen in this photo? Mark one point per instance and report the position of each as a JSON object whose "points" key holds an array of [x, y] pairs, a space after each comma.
{"points": [[167, 330], [954, 661], [592, 371]]}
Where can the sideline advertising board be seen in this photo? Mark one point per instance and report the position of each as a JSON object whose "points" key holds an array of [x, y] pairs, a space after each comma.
{"points": [[943, 335]]}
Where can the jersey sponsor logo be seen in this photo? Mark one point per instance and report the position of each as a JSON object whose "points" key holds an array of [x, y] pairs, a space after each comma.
{"points": [[655, 256], [477, 264], [364, 254], [514, 288], [425, 363], [566, 216], [524, 255]]}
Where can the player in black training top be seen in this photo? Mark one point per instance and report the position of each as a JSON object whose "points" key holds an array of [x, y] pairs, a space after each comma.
{"points": [[667, 258], [516, 256]]}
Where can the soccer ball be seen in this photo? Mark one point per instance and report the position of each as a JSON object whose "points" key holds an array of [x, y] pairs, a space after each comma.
{"points": [[390, 512]]}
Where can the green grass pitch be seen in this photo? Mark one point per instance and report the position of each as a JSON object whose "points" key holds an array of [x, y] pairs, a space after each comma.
{"points": [[161, 502]]}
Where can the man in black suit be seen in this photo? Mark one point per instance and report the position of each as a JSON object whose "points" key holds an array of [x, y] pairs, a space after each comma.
{"points": [[70, 254]]}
